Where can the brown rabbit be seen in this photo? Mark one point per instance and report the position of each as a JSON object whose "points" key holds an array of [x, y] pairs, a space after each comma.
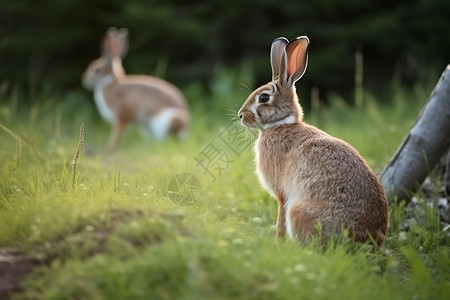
{"points": [[315, 177], [122, 99]]}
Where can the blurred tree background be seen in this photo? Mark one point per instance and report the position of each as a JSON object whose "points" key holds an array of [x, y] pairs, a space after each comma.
{"points": [[46, 44]]}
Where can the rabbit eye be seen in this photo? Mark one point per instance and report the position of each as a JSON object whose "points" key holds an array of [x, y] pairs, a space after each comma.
{"points": [[264, 98]]}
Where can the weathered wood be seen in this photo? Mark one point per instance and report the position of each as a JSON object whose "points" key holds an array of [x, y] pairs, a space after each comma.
{"points": [[447, 176], [423, 147]]}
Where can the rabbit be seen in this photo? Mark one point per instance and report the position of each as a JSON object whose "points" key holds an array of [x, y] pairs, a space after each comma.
{"points": [[122, 99], [321, 183]]}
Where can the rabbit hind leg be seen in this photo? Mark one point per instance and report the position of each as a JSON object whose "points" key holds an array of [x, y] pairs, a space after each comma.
{"points": [[300, 224], [179, 125]]}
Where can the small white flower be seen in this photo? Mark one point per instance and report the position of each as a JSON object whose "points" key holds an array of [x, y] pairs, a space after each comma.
{"points": [[299, 267], [257, 220]]}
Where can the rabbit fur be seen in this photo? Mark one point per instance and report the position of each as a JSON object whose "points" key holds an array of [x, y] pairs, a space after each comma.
{"points": [[123, 99], [315, 177]]}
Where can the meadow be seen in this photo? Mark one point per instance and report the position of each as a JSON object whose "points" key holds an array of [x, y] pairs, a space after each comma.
{"points": [[125, 226]]}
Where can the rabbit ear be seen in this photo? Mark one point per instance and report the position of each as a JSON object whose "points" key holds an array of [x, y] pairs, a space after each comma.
{"points": [[115, 43], [276, 53], [122, 41], [295, 60], [107, 43]]}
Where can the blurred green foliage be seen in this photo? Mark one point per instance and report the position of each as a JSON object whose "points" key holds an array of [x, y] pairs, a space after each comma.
{"points": [[48, 43]]}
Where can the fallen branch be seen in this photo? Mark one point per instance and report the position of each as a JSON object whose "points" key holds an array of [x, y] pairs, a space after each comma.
{"points": [[423, 147], [447, 176]]}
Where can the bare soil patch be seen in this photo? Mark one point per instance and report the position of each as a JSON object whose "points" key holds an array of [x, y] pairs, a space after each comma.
{"points": [[13, 268]]}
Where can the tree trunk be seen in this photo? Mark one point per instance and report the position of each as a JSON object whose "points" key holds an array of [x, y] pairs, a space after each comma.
{"points": [[423, 147]]}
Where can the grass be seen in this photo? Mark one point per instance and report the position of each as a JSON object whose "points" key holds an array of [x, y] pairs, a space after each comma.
{"points": [[119, 234]]}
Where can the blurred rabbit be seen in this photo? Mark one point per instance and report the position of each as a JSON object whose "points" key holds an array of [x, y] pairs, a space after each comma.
{"points": [[315, 177], [122, 99]]}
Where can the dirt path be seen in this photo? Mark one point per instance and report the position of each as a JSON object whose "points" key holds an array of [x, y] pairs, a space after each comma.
{"points": [[13, 268]]}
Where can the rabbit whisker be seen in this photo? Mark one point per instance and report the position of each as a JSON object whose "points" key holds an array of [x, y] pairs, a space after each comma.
{"points": [[246, 88]]}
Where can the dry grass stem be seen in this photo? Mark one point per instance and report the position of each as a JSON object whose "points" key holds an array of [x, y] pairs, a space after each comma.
{"points": [[77, 155], [19, 142]]}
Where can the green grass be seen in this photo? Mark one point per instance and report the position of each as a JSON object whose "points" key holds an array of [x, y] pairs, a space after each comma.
{"points": [[118, 235]]}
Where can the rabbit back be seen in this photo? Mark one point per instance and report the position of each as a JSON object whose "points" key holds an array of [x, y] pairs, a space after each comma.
{"points": [[139, 96]]}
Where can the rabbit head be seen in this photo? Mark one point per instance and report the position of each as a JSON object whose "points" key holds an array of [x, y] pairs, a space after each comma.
{"points": [[113, 49], [276, 103]]}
